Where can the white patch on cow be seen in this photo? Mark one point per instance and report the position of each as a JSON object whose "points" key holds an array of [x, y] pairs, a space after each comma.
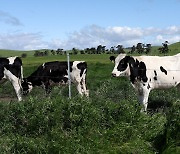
{"points": [[66, 76], [43, 65], [15, 82], [11, 60], [30, 87], [80, 81]]}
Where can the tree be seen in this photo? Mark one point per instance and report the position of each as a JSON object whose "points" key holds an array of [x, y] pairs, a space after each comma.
{"points": [[92, 50], [148, 48], [120, 49], [82, 51], [52, 52], [59, 51], [37, 53], [112, 50], [99, 49], [140, 48], [164, 49], [133, 49], [24, 55], [103, 49], [46, 53], [74, 51]]}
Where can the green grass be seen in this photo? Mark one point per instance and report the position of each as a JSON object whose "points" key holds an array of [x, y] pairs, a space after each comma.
{"points": [[109, 121]]}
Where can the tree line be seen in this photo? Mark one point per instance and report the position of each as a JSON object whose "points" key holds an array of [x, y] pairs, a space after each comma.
{"points": [[140, 48]]}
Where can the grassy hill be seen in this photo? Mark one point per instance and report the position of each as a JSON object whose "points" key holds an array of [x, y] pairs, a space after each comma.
{"points": [[8, 53], [174, 49]]}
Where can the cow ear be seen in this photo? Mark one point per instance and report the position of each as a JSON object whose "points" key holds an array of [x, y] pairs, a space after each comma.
{"points": [[112, 59]]}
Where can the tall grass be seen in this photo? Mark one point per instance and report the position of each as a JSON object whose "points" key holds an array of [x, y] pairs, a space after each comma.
{"points": [[86, 125], [109, 121]]}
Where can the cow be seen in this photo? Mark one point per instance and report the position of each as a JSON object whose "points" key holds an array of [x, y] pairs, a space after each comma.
{"points": [[147, 73], [11, 69], [56, 73]]}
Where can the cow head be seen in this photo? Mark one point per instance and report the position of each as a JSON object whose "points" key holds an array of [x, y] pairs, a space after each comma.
{"points": [[121, 67], [130, 67], [26, 86]]}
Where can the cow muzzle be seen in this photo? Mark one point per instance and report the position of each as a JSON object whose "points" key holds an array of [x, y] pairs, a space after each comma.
{"points": [[113, 74]]}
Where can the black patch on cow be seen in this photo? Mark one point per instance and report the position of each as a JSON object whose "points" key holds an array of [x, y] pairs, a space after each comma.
{"points": [[14, 68], [173, 77], [3, 62], [163, 70], [51, 73], [137, 70], [25, 86], [148, 86], [46, 73], [142, 72], [82, 67], [123, 64], [155, 77]]}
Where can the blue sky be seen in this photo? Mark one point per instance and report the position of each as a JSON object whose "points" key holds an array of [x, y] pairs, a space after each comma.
{"points": [[36, 24]]}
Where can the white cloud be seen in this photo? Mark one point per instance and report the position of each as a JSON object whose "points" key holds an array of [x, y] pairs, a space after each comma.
{"points": [[92, 36], [22, 41], [127, 36]]}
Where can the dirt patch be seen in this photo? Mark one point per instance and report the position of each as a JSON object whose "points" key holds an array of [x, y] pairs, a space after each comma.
{"points": [[7, 99]]}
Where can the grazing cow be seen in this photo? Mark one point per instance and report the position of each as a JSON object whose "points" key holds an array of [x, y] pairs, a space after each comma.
{"points": [[11, 69], [148, 72], [56, 73]]}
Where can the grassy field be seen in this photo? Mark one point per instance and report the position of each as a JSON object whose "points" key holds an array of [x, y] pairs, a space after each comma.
{"points": [[109, 121]]}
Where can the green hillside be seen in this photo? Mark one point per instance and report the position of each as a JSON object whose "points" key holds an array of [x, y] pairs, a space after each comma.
{"points": [[174, 49], [8, 53]]}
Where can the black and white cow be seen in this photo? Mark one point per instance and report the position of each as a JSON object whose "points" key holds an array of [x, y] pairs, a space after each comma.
{"points": [[56, 73], [11, 69], [148, 72]]}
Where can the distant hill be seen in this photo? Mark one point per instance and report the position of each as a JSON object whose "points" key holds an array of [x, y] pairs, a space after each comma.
{"points": [[8, 53], [174, 49]]}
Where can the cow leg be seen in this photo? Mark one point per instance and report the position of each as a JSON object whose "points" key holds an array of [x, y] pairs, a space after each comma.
{"points": [[79, 88], [77, 81], [48, 89], [83, 87], [143, 99], [17, 89]]}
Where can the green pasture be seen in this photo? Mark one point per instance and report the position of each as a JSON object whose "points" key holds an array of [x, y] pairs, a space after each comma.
{"points": [[109, 121]]}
